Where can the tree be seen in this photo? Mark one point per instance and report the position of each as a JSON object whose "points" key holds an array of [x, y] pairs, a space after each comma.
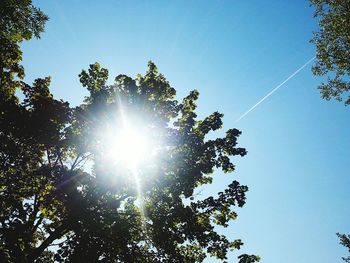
{"points": [[333, 56], [345, 241], [67, 191], [332, 42]]}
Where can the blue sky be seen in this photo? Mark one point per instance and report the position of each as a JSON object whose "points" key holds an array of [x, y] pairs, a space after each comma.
{"points": [[234, 53]]}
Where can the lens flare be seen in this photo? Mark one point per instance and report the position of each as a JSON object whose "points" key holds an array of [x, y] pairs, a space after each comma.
{"points": [[130, 145]]}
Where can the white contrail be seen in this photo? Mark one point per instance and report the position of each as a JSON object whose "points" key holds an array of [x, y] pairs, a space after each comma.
{"points": [[275, 89]]}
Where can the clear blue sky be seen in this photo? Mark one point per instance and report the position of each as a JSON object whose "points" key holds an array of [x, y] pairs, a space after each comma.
{"points": [[234, 53]]}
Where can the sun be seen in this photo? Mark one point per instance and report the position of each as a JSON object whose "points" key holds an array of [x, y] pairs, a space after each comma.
{"points": [[129, 146], [129, 142]]}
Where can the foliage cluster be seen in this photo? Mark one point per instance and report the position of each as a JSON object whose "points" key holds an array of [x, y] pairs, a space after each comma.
{"points": [[332, 41]]}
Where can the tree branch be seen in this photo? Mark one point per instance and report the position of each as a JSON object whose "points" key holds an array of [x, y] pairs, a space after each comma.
{"points": [[75, 161], [81, 160], [60, 231]]}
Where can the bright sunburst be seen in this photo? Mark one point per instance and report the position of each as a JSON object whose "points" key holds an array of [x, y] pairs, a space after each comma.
{"points": [[129, 149], [127, 142], [128, 146]]}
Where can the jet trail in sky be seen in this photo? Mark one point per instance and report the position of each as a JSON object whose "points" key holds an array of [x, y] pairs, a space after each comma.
{"points": [[275, 89]]}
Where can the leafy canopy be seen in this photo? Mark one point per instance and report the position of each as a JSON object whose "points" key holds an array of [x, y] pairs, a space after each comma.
{"points": [[64, 199], [19, 20], [332, 42]]}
